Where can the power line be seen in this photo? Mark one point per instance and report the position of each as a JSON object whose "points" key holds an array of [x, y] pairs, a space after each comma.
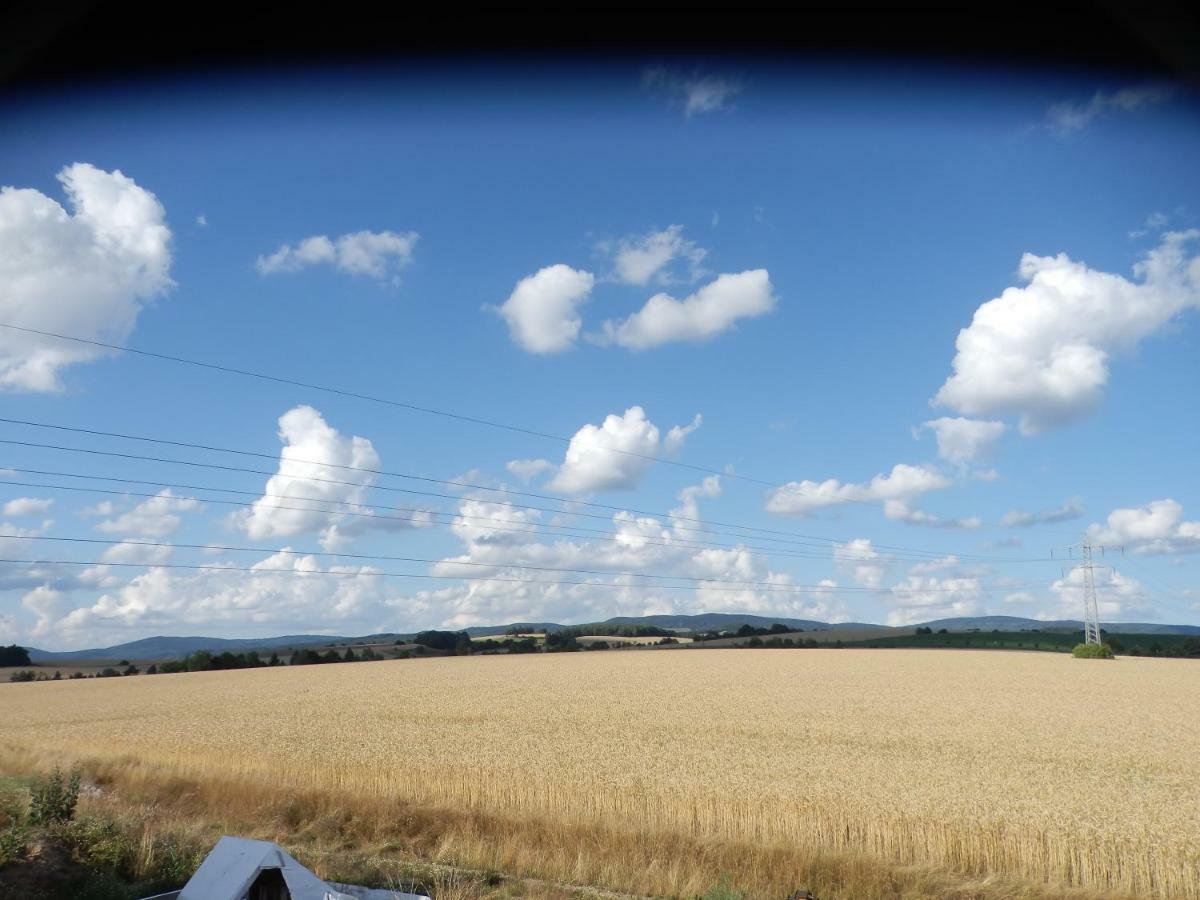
{"points": [[412, 407], [550, 530], [738, 584], [258, 570], [448, 482], [796, 537], [493, 522]]}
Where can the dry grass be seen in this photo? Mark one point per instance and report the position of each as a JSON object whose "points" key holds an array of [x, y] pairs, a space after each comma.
{"points": [[860, 773]]}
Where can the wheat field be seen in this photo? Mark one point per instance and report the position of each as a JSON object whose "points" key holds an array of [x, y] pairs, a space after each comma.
{"points": [[1035, 766]]}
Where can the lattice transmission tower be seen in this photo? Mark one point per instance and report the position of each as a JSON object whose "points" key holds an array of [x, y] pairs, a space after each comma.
{"points": [[1091, 609]]}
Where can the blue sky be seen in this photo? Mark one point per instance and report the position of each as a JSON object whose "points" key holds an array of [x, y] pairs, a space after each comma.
{"points": [[814, 240]]}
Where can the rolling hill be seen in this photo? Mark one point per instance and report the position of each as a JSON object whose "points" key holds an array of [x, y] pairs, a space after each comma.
{"points": [[163, 647]]}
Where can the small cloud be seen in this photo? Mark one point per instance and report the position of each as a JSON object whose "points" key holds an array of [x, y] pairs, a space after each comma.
{"points": [[1155, 222], [27, 506], [1004, 544], [202, 220], [1068, 117], [1020, 518], [1021, 597], [638, 259], [696, 93], [376, 254]]}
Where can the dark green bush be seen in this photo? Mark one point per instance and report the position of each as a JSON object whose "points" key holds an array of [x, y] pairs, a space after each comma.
{"points": [[1092, 651]]}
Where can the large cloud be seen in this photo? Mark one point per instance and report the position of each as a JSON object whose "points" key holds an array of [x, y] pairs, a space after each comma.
{"points": [[305, 494], [543, 310], [714, 308], [1041, 352], [377, 254], [591, 465], [1157, 527], [87, 273]]}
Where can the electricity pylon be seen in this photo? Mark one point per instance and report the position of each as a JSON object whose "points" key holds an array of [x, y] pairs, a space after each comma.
{"points": [[1091, 609]]}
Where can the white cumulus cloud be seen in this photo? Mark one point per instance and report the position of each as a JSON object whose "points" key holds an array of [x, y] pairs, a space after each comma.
{"points": [[1117, 596], [376, 254], [543, 310], [591, 465], [87, 272], [135, 553], [900, 486], [861, 561], [312, 491], [27, 506], [1042, 351], [1157, 527], [923, 598], [714, 308], [637, 260], [152, 518]]}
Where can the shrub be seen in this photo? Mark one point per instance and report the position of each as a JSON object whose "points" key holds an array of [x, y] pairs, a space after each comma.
{"points": [[13, 839], [25, 675], [1092, 651], [723, 890], [52, 799]]}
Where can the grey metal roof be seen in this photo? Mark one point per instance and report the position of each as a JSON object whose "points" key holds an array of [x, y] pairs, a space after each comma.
{"points": [[231, 867], [234, 863]]}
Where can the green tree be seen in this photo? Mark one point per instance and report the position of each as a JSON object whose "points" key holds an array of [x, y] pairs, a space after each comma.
{"points": [[13, 655]]}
